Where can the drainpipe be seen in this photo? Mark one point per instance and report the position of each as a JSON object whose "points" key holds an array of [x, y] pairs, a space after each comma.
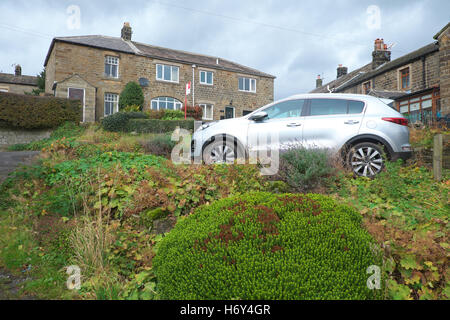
{"points": [[193, 84]]}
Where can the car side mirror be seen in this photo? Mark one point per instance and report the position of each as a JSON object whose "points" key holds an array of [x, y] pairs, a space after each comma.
{"points": [[259, 116]]}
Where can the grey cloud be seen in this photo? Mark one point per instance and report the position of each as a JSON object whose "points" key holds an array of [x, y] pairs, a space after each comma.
{"points": [[293, 40]]}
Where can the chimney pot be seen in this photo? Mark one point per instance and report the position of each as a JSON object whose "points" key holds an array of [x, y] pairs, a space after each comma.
{"points": [[127, 32], [18, 71]]}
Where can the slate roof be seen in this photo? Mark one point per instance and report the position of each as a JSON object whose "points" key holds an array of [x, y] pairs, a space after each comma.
{"points": [[22, 80], [366, 73], [131, 47]]}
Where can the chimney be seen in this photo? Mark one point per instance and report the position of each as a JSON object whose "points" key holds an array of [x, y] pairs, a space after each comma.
{"points": [[126, 31], [319, 81], [381, 54], [341, 71], [18, 71]]}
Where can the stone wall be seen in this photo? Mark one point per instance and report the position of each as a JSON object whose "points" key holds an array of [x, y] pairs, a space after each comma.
{"points": [[444, 68], [69, 59], [17, 88], [17, 136]]}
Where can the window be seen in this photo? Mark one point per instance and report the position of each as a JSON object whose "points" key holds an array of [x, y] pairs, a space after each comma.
{"points": [[355, 107], [167, 73], [286, 109], [208, 111], [112, 67], [111, 103], [404, 78], [163, 103], [322, 107], [247, 84], [367, 86], [206, 77]]}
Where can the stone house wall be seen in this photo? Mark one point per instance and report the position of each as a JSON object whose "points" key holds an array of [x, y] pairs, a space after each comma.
{"points": [[69, 59], [17, 88]]}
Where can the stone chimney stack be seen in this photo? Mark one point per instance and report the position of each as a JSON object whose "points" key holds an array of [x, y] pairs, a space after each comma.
{"points": [[319, 82], [341, 71], [18, 71], [127, 32], [381, 54]]}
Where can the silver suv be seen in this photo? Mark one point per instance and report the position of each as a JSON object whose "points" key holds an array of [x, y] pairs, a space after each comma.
{"points": [[361, 129]]}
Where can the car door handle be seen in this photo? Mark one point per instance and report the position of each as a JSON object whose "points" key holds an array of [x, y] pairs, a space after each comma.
{"points": [[292, 125], [351, 122]]}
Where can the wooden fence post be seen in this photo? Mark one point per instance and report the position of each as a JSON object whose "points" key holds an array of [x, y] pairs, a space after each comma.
{"points": [[437, 157]]}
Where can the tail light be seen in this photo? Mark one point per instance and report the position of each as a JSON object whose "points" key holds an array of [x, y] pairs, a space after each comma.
{"points": [[400, 121]]}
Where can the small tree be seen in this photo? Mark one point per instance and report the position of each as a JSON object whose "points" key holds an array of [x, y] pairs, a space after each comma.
{"points": [[40, 83], [131, 95]]}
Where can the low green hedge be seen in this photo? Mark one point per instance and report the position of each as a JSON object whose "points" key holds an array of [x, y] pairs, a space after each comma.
{"points": [[158, 126], [262, 246], [31, 112], [118, 122]]}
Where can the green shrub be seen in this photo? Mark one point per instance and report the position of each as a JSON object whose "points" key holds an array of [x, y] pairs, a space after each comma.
{"points": [[155, 114], [160, 146], [118, 122], [305, 169], [131, 95], [31, 112], [267, 247], [158, 126], [173, 115], [133, 108]]}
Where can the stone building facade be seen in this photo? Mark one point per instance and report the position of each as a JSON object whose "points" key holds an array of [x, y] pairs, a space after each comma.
{"points": [[17, 83], [417, 81], [98, 68]]}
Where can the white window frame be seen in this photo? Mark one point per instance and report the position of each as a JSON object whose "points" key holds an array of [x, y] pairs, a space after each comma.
{"points": [[206, 77], [204, 106], [84, 99], [157, 100], [114, 101], [114, 61], [251, 81], [171, 73]]}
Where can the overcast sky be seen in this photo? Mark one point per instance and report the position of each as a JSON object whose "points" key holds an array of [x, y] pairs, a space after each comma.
{"points": [[291, 39]]}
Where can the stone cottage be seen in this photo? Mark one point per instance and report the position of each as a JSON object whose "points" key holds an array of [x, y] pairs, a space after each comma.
{"points": [[419, 81], [17, 83], [95, 69]]}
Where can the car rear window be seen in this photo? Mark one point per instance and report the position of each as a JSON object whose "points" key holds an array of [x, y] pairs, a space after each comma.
{"points": [[323, 107], [355, 107]]}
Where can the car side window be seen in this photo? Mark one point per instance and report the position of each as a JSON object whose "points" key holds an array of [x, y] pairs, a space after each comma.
{"points": [[323, 107], [355, 107], [286, 109]]}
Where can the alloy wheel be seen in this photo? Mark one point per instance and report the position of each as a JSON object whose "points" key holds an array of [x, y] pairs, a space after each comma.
{"points": [[366, 161]]}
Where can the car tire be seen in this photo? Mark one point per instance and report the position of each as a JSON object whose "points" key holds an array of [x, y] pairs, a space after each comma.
{"points": [[366, 159], [223, 151]]}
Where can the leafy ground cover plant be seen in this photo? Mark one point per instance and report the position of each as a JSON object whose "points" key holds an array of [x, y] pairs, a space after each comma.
{"points": [[407, 212], [263, 246]]}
